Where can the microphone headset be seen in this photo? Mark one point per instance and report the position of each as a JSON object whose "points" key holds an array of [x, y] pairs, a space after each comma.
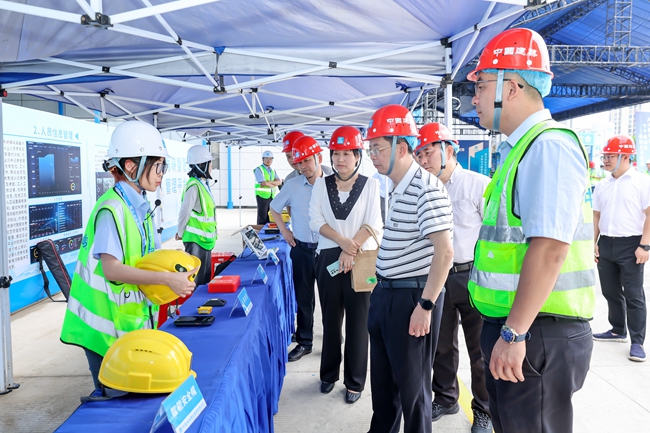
{"points": [[157, 203]]}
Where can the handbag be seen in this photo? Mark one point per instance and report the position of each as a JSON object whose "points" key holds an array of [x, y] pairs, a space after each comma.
{"points": [[364, 278]]}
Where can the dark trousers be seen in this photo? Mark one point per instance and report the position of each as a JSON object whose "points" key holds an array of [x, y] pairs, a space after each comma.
{"points": [[621, 280], [445, 364], [337, 298], [204, 274], [94, 364], [400, 364], [304, 277], [556, 365], [263, 206]]}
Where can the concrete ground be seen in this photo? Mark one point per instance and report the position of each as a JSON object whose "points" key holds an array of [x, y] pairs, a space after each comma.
{"points": [[52, 377]]}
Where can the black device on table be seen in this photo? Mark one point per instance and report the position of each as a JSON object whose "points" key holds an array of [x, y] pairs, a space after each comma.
{"points": [[194, 321], [215, 302]]}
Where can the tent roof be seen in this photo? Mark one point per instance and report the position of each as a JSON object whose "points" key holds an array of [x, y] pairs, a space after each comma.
{"points": [[252, 69]]}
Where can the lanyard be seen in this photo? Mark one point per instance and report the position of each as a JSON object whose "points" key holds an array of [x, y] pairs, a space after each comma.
{"points": [[145, 235]]}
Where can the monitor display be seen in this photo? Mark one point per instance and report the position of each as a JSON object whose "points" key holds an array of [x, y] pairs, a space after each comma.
{"points": [[53, 169], [104, 181], [54, 218]]}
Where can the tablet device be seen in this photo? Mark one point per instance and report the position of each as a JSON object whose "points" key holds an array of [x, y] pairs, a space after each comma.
{"points": [[253, 241], [194, 321]]}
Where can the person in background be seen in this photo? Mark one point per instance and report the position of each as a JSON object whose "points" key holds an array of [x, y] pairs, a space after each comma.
{"points": [[267, 181], [385, 185], [197, 220], [287, 143], [647, 167], [622, 228], [303, 241], [105, 301], [437, 153], [533, 276], [413, 262], [340, 204], [595, 175]]}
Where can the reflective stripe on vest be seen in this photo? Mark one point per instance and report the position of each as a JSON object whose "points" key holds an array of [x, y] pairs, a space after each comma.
{"points": [[100, 311], [201, 227], [269, 175], [502, 246]]}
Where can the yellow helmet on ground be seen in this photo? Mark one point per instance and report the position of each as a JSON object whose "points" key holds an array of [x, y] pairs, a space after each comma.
{"points": [[165, 261], [146, 361]]}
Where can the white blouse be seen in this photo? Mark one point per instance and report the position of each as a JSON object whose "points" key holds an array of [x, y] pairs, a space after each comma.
{"points": [[365, 211]]}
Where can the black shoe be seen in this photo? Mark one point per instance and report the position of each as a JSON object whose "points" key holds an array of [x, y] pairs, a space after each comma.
{"points": [[298, 352], [352, 397], [437, 410], [482, 422], [326, 387]]}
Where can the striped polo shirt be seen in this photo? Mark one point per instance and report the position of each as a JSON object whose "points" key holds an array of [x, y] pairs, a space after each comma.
{"points": [[419, 206]]}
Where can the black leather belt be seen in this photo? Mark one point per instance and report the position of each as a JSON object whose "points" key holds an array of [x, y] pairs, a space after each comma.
{"points": [[403, 283], [461, 267], [309, 245]]}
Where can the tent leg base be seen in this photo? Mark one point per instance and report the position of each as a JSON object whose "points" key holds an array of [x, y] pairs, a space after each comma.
{"points": [[10, 388]]}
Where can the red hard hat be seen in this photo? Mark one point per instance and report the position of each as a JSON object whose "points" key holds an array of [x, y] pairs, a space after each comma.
{"points": [[289, 139], [623, 144], [520, 48], [432, 133], [304, 147], [391, 120], [346, 138], [592, 164]]}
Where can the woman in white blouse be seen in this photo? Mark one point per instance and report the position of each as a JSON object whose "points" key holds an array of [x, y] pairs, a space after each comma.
{"points": [[340, 204]]}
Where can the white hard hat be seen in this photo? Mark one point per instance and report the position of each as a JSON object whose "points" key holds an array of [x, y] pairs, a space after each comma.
{"points": [[198, 154], [267, 154], [136, 139], [648, 161]]}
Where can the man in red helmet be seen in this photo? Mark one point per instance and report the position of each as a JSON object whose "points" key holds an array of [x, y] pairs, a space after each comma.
{"points": [[287, 143], [297, 194], [406, 305], [622, 227], [437, 153], [533, 278]]}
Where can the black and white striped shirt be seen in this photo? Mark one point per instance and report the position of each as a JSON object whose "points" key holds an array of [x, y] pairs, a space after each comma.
{"points": [[419, 206]]}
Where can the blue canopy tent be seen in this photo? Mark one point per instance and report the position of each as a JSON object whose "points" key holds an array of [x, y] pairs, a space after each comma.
{"points": [[244, 70]]}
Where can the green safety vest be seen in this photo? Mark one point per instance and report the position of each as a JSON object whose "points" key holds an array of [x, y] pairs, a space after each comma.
{"points": [[502, 246], [99, 311], [269, 175], [201, 227]]}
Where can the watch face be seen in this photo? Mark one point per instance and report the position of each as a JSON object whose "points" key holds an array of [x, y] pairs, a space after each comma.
{"points": [[507, 335], [426, 304]]}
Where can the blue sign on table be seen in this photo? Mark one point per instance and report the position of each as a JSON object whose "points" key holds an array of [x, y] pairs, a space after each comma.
{"points": [[244, 301], [262, 273], [273, 257], [182, 407]]}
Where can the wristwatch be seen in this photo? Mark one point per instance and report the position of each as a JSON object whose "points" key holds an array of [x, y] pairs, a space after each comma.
{"points": [[645, 247], [427, 304], [510, 335]]}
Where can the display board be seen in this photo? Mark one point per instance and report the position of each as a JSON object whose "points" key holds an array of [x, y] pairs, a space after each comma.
{"points": [[475, 155], [642, 122], [53, 174]]}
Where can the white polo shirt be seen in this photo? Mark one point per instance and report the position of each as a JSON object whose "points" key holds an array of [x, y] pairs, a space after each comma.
{"points": [[621, 203], [419, 206], [466, 190]]}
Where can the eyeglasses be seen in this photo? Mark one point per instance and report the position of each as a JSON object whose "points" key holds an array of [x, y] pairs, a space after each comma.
{"points": [[607, 157], [161, 167], [478, 89], [374, 152]]}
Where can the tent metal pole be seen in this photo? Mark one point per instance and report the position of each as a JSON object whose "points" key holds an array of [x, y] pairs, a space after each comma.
{"points": [[461, 61], [229, 204], [7, 376], [26, 83], [74, 101], [87, 8], [240, 223], [97, 5], [448, 89], [487, 22], [158, 9]]}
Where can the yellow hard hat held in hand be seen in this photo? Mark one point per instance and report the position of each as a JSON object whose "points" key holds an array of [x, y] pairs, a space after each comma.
{"points": [[165, 261], [146, 361]]}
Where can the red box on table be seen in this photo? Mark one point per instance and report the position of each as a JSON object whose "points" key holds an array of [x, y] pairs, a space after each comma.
{"points": [[224, 284]]}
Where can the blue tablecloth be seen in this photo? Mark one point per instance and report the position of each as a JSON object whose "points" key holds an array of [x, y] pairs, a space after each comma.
{"points": [[240, 361]]}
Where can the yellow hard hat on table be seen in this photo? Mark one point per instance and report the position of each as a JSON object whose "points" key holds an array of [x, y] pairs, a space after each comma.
{"points": [[146, 361]]}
